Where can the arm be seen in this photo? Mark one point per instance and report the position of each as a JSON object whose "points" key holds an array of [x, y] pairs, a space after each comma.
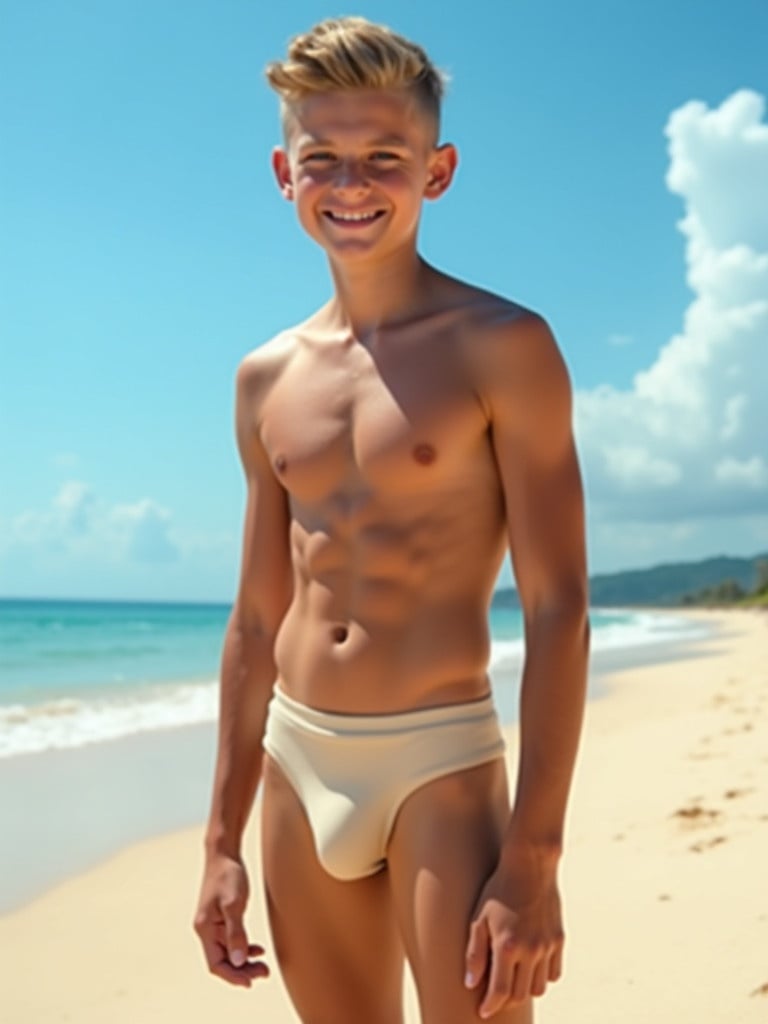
{"points": [[247, 677], [518, 928]]}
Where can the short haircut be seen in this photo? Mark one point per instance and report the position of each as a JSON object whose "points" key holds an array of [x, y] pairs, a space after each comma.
{"points": [[354, 53]]}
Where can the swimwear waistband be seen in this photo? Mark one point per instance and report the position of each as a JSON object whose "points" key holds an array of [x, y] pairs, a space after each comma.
{"points": [[336, 723]]}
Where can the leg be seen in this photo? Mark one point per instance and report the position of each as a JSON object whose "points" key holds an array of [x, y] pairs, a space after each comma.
{"points": [[444, 846], [337, 943]]}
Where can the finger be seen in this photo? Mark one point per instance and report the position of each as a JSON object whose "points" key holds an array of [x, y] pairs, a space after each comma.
{"points": [[521, 987], [556, 963], [539, 979], [253, 968], [243, 976], [504, 960], [219, 964], [476, 959], [233, 975], [236, 939]]}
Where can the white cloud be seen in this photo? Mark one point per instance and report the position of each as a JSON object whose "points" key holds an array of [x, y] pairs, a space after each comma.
{"points": [[636, 467], [75, 506], [83, 527], [687, 440], [752, 473], [147, 528], [733, 417], [717, 164], [81, 545]]}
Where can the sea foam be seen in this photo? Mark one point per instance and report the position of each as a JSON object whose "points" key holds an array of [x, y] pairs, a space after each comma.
{"points": [[66, 722]]}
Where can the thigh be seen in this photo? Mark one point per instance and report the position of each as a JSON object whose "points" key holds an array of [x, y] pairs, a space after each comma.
{"points": [[444, 846], [337, 943]]}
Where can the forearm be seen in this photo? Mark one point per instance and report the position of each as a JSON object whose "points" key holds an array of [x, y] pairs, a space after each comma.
{"points": [[551, 712], [247, 676]]}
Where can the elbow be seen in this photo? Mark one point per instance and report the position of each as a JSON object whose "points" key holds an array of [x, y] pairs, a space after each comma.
{"points": [[576, 612], [565, 616], [572, 619], [254, 624]]}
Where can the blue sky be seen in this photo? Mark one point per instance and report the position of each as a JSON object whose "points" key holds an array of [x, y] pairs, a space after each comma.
{"points": [[144, 250]]}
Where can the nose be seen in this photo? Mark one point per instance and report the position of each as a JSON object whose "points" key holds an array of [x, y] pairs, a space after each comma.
{"points": [[350, 177]]}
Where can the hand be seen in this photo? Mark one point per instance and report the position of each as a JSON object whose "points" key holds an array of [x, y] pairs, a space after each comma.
{"points": [[516, 935], [219, 923]]}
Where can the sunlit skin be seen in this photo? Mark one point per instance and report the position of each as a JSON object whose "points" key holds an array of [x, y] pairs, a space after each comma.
{"points": [[394, 445], [375, 158]]}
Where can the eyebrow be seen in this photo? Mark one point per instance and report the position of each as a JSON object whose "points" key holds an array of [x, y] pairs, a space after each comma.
{"points": [[397, 141], [389, 140]]}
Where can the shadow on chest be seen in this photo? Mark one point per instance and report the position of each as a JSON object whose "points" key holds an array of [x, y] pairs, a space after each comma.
{"points": [[397, 427]]}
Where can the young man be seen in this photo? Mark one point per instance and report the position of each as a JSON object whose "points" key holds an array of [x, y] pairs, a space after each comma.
{"points": [[394, 445]]}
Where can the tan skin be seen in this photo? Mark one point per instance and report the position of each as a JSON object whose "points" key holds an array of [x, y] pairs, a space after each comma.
{"points": [[394, 445]]}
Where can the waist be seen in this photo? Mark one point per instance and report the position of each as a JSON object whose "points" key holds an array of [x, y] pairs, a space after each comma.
{"points": [[348, 667], [337, 723]]}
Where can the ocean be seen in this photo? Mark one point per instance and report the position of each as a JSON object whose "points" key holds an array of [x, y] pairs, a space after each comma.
{"points": [[74, 673], [107, 714]]}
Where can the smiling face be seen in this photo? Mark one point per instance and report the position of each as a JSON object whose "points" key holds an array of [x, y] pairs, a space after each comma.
{"points": [[358, 165]]}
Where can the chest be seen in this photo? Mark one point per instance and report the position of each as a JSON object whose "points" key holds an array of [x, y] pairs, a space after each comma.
{"points": [[398, 423]]}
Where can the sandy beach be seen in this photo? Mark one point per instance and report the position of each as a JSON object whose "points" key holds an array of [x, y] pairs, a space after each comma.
{"points": [[664, 875]]}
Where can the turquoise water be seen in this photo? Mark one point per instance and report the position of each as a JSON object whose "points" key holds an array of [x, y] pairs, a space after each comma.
{"points": [[54, 648], [76, 672]]}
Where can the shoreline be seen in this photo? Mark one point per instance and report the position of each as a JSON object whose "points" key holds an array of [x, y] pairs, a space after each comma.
{"points": [[71, 680], [667, 832], [95, 800]]}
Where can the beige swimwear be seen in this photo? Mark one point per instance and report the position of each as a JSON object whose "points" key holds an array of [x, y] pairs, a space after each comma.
{"points": [[352, 773]]}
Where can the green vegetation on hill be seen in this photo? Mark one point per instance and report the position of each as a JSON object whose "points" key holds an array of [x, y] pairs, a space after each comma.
{"points": [[730, 592], [721, 580]]}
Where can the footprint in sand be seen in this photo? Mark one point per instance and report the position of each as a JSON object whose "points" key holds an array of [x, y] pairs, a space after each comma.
{"points": [[694, 815], [707, 844], [720, 699], [734, 794], [747, 727]]}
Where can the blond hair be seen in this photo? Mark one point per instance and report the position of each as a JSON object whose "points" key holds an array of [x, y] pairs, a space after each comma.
{"points": [[354, 53]]}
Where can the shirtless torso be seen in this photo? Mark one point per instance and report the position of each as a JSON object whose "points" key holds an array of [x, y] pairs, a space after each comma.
{"points": [[397, 515], [394, 446]]}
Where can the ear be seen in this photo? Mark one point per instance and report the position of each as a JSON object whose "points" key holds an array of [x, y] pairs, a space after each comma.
{"points": [[282, 169], [442, 167]]}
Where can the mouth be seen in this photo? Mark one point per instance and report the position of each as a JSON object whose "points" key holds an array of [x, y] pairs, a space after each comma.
{"points": [[353, 218]]}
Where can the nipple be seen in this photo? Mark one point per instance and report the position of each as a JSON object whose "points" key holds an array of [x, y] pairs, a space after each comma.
{"points": [[424, 454], [281, 463], [340, 634]]}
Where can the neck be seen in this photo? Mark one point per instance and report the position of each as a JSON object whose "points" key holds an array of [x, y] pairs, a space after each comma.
{"points": [[367, 299]]}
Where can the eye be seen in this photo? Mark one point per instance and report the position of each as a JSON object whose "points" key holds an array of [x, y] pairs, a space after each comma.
{"points": [[320, 156], [383, 156]]}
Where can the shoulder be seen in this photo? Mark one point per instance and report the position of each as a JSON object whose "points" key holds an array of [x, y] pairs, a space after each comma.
{"points": [[514, 358], [259, 370], [256, 376], [498, 330]]}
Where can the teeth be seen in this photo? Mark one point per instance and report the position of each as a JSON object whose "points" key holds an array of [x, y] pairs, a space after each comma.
{"points": [[353, 216]]}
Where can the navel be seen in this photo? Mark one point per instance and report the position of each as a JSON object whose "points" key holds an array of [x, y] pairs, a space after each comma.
{"points": [[339, 634], [281, 463], [424, 454]]}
